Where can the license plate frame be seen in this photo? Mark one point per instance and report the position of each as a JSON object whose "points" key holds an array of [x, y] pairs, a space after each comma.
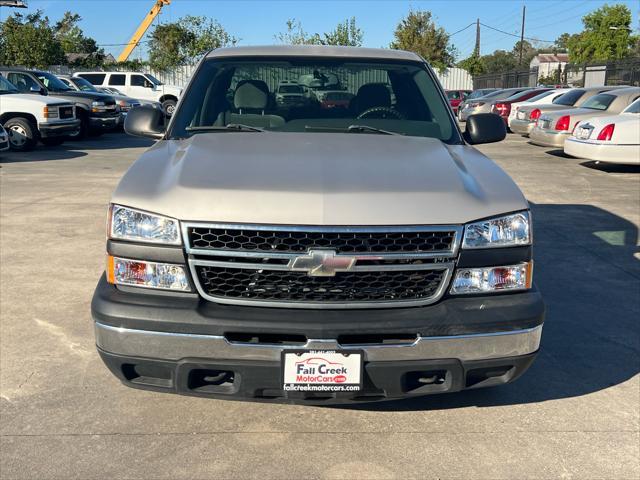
{"points": [[318, 366]]}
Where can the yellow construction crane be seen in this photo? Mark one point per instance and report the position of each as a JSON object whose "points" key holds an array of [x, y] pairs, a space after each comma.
{"points": [[137, 36]]}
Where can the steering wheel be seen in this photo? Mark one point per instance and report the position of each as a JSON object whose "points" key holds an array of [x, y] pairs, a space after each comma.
{"points": [[381, 112]]}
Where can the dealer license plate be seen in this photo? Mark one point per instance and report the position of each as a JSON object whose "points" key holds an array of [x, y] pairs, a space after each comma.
{"points": [[521, 115], [583, 133], [322, 370]]}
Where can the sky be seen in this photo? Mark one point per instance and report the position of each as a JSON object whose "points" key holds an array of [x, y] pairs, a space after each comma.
{"points": [[256, 22]]}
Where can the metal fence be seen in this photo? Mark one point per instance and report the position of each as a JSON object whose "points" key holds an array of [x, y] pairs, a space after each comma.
{"points": [[621, 72], [451, 79], [516, 78]]}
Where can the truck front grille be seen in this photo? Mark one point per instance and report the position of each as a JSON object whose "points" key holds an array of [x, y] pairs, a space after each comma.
{"points": [[321, 267], [296, 241], [66, 112], [287, 286]]}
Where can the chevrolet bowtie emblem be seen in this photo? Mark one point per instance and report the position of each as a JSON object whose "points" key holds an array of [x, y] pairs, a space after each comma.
{"points": [[322, 263]]}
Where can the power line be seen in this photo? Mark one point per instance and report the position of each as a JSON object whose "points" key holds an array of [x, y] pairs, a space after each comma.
{"points": [[462, 29], [517, 36], [120, 44]]}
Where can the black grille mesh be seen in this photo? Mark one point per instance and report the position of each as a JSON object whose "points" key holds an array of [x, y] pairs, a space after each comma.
{"points": [[66, 112], [341, 242], [287, 286]]}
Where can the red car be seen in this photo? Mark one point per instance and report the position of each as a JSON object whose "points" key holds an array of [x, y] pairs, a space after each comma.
{"points": [[456, 97], [503, 107]]}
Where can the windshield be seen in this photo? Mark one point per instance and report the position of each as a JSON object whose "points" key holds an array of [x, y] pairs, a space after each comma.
{"points": [[153, 79], [398, 97], [52, 83], [569, 98], [83, 85], [7, 87], [633, 108], [290, 89], [599, 102]]}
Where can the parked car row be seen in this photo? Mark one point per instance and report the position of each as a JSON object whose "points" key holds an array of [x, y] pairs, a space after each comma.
{"points": [[38, 106], [595, 123]]}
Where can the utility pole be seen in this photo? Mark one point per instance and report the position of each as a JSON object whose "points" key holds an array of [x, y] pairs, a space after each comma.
{"points": [[476, 50], [524, 9]]}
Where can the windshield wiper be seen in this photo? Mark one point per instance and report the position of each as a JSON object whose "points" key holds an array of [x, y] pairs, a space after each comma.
{"points": [[351, 129], [368, 129], [231, 126]]}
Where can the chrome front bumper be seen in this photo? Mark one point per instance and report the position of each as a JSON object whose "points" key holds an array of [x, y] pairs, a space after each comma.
{"points": [[177, 346]]}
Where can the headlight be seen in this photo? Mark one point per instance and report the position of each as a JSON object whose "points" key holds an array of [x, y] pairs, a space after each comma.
{"points": [[138, 273], [50, 112], [137, 226], [124, 105], [98, 107], [507, 231], [492, 279]]}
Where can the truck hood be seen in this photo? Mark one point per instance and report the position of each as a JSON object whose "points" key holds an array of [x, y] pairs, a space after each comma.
{"points": [[28, 99], [317, 179], [93, 96]]}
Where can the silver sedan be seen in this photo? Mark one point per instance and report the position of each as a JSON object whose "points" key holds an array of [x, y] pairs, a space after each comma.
{"points": [[554, 127]]}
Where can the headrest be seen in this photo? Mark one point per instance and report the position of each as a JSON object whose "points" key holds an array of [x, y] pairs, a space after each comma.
{"points": [[252, 94], [372, 95]]}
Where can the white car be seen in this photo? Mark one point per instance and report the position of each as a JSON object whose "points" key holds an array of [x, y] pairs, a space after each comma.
{"points": [[4, 139], [545, 97], [612, 139], [28, 118], [142, 86]]}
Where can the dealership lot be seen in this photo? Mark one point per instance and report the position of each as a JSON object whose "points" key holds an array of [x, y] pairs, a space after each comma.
{"points": [[575, 414]]}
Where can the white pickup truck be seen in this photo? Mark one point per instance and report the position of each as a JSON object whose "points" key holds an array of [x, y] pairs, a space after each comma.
{"points": [[29, 118], [137, 85]]}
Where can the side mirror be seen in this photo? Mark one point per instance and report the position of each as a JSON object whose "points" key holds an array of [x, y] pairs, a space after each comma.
{"points": [[145, 121], [148, 84], [485, 128], [36, 89]]}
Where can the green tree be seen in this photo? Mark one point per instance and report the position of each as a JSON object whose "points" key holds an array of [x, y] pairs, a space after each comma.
{"points": [[185, 41], [295, 35], [474, 65], [418, 33], [499, 61], [562, 43], [606, 35], [73, 41], [167, 46], [71, 36], [346, 34], [528, 52], [29, 40], [204, 34]]}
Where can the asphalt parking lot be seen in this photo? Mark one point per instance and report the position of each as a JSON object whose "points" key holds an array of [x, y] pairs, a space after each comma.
{"points": [[575, 414]]}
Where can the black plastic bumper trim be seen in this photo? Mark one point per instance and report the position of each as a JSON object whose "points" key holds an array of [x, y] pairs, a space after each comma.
{"points": [[450, 316]]}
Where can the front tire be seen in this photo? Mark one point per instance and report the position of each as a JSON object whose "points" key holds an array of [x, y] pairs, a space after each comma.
{"points": [[169, 106], [23, 134], [84, 126]]}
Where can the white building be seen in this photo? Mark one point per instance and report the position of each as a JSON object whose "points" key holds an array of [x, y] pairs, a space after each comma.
{"points": [[548, 63]]}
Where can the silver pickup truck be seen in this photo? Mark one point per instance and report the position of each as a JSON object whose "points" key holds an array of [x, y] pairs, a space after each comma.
{"points": [[296, 253]]}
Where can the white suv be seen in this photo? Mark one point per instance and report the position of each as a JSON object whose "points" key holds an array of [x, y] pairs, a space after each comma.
{"points": [[137, 85]]}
